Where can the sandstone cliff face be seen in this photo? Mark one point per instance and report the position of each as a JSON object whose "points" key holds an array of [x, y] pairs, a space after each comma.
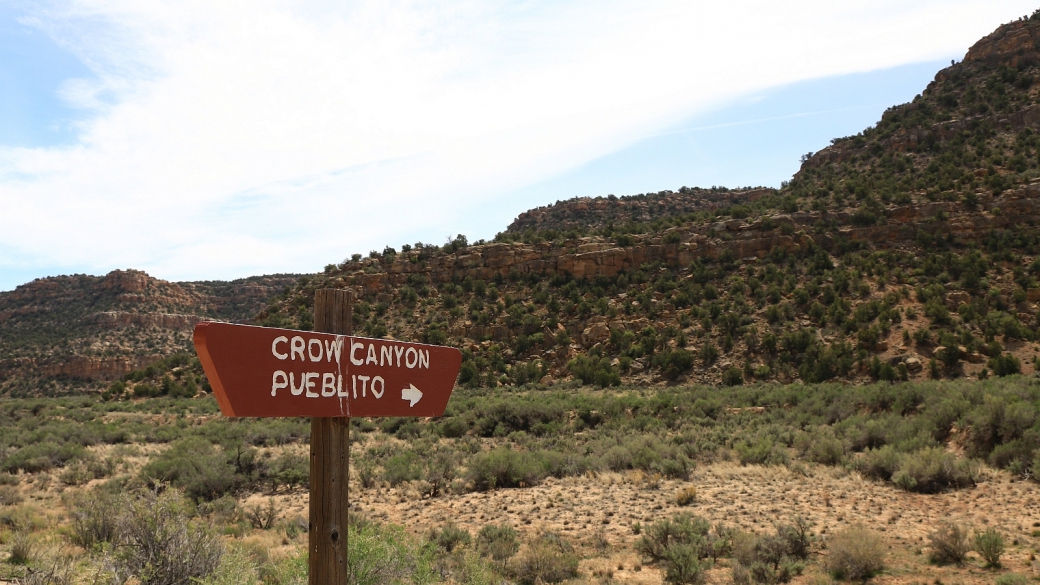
{"points": [[593, 256], [595, 212], [95, 327]]}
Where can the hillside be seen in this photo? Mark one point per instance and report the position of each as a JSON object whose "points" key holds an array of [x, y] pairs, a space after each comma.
{"points": [[92, 327], [905, 251]]}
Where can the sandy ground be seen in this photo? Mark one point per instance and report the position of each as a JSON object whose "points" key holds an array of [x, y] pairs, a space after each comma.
{"points": [[597, 514]]}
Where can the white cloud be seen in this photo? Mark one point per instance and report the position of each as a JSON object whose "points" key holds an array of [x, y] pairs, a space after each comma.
{"points": [[231, 138]]}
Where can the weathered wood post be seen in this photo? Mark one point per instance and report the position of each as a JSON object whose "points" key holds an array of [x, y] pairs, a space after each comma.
{"points": [[328, 375], [330, 461]]}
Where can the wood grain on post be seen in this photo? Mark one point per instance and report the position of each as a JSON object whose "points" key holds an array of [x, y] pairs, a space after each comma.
{"points": [[330, 461]]}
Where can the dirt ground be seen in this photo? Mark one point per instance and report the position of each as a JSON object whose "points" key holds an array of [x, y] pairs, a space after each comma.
{"points": [[597, 514]]}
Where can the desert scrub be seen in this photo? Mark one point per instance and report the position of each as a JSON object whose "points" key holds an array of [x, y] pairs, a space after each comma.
{"points": [[386, 554], [856, 553], [686, 496], [772, 558], [161, 542], [450, 537], [504, 467], [932, 470], [498, 541], [548, 559], [949, 544], [990, 545]]}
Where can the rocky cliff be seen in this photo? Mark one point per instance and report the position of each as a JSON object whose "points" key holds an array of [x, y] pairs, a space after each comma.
{"points": [[907, 250], [91, 327]]}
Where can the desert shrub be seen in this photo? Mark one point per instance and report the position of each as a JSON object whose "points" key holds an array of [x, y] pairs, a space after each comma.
{"points": [[678, 468], [1012, 579], [162, 544], [196, 466], [684, 529], [10, 495], [290, 470], [1005, 365], [933, 469], [686, 496], [450, 537], [547, 559], [76, 474], [617, 458], [377, 555], [673, 363], [879, 463], [990, 545], [237, 567], [402, 467], [949, 544], [856, 553], [827, 449], [23, 548], [762, 452], [733, 377], [94, 518], [440, 471], [263, 517], [771, 558], [796, 536], [504, 467], [498, 541], [594, 370], [43, 456], [683, 565], [366, 472]]}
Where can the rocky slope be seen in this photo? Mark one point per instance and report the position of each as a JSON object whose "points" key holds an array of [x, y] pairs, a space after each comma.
{"points": [[904, 251], [91, 327], [583, 213]]}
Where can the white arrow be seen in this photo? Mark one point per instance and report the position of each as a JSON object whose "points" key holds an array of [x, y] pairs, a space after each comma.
{"points": [[411, 394]]}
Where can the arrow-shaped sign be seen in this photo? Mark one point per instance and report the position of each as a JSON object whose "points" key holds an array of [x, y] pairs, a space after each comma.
{"points": [[259, 371], [411, 394]]}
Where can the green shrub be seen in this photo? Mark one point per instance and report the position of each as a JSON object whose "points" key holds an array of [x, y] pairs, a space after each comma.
{"points": [[504, 467], [163, 545], [949, 544], [733, 377], [498, 541], [683, 565], [1005, 365], [594, 370], [378, 555], [933, 469], [450, 537], [990, 545], [548, 559], [43, 456], [196, 466], [94, 518], [684, 529], [856, 553], [23, 548], [402, 467], [879, 463]]}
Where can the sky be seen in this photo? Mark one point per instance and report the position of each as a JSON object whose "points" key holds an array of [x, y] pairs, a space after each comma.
{"points": [[216, 140]]}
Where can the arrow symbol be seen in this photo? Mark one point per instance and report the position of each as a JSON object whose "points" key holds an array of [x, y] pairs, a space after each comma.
{"points": [[411, 394]]}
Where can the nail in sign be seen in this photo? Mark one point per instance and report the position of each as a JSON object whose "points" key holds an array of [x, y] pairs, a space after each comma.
{"points": [[262, 371]]}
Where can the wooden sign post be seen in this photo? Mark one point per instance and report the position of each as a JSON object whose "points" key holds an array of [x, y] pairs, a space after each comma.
{"points": [[328, 375]]}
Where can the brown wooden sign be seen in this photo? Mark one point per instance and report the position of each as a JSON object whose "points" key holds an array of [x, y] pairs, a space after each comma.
{"points": [[267, 372]]}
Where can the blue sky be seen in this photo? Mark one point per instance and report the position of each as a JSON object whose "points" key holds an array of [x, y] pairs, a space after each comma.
{"points": [[33, 69], [197, 140]]}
